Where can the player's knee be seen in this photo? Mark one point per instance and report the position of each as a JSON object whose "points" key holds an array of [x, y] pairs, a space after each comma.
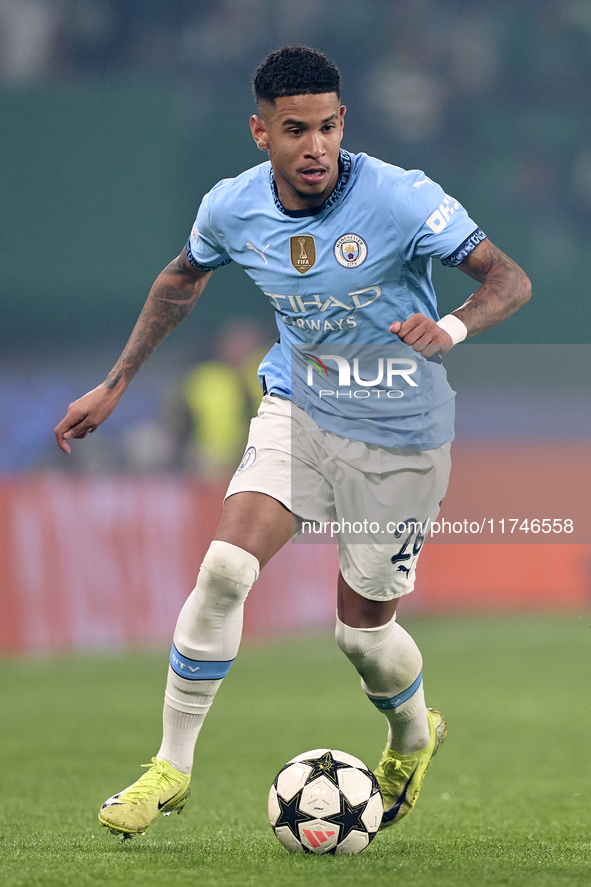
{"points": [[227, 574], [210, 623], [213, 611], [358, 643], [347, 639]]}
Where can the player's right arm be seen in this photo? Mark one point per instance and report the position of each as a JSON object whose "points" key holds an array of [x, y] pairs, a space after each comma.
{"points": [[170, 300]]}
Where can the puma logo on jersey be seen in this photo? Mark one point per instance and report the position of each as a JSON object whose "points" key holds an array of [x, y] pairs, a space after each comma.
{"points": [[261, 253], [425, 181]]}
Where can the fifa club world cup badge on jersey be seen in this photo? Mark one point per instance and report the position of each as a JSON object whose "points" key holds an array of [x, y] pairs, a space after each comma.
{"points": [[303, 252], [350, 250]]}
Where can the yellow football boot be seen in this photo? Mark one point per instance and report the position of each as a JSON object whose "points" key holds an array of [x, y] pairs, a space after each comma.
{"points": [[401, 776], [161, 790]]}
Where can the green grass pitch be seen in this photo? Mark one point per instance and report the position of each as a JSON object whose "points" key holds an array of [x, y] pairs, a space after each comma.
{"points": [[506, 802]]}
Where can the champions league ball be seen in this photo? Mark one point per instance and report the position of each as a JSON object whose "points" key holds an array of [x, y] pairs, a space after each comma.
{"points": [[325, 801]]}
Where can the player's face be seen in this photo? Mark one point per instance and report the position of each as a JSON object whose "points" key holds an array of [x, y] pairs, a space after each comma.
{"points": [[302, 134]]}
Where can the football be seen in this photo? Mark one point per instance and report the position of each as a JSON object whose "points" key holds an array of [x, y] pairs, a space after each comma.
{"points": [[325, 801]]}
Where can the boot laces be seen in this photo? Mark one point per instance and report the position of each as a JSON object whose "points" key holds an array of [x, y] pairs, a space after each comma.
{"points": [[157, 779], [394, 770]]}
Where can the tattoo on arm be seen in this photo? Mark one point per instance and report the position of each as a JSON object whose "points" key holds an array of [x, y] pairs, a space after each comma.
{"points": [[505, 288], [171, 299]]}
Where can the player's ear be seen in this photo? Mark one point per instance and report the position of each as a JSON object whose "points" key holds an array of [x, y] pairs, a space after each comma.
{"points": [[259, 132], [343, 111]]}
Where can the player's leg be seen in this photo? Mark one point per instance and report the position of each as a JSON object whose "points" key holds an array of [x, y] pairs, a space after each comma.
{"points": [[390, 665], [395, 495], [256, 522], [253, 528]]}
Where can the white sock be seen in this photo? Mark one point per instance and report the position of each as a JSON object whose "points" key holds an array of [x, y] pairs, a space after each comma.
{"points": [[206, 642], [408, 727], [390, 663], [180, 732]]}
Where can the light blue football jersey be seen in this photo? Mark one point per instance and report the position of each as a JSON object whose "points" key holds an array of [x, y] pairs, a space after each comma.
{"points": [[337, 276]]}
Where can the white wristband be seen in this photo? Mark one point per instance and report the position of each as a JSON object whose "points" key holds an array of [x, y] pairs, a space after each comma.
{"points": [[456, 328]]}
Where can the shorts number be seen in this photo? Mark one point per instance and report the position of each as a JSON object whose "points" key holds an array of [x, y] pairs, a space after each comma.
{"points": [[416, 529]]}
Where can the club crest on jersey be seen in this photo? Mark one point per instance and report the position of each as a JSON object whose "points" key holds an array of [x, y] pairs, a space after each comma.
{"points": [[350, 250], [303, 252]]}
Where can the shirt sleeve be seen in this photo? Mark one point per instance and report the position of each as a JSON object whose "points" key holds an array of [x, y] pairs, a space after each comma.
{"points": [[432, 222], [204, 247]]}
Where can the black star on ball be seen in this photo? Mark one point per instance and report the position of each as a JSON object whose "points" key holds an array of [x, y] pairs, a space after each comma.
{"points": [[349, 818], [325, 766], [290, 815]]}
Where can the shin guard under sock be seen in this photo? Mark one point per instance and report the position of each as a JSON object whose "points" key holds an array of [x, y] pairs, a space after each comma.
{"points": [[206, 642], [390, 663]]}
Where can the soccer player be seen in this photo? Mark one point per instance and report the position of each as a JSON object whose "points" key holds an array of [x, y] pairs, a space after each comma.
{"points": [[341, 245]]}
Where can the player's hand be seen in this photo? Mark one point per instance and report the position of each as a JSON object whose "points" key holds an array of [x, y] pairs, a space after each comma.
{"points": [[85, 415], [423, 334]]}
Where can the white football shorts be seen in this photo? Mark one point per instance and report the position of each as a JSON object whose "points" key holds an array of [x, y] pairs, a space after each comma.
{"points": [[376, 502]]}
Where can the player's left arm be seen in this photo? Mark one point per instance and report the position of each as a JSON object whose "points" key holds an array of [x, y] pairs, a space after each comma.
{"points": [[505, 288]]}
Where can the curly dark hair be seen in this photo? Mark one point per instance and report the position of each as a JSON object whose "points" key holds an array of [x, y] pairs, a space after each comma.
{"points": [[295, 70]]}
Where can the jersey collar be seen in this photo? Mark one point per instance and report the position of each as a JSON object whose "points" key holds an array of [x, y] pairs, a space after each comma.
{"points": [[345, 164]]}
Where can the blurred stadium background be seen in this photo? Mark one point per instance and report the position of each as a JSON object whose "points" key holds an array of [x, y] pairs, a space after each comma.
{"points": [[116, 117]]}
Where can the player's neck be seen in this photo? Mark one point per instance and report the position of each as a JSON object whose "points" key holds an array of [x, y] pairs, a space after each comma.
{"points": [[294, 200]]}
